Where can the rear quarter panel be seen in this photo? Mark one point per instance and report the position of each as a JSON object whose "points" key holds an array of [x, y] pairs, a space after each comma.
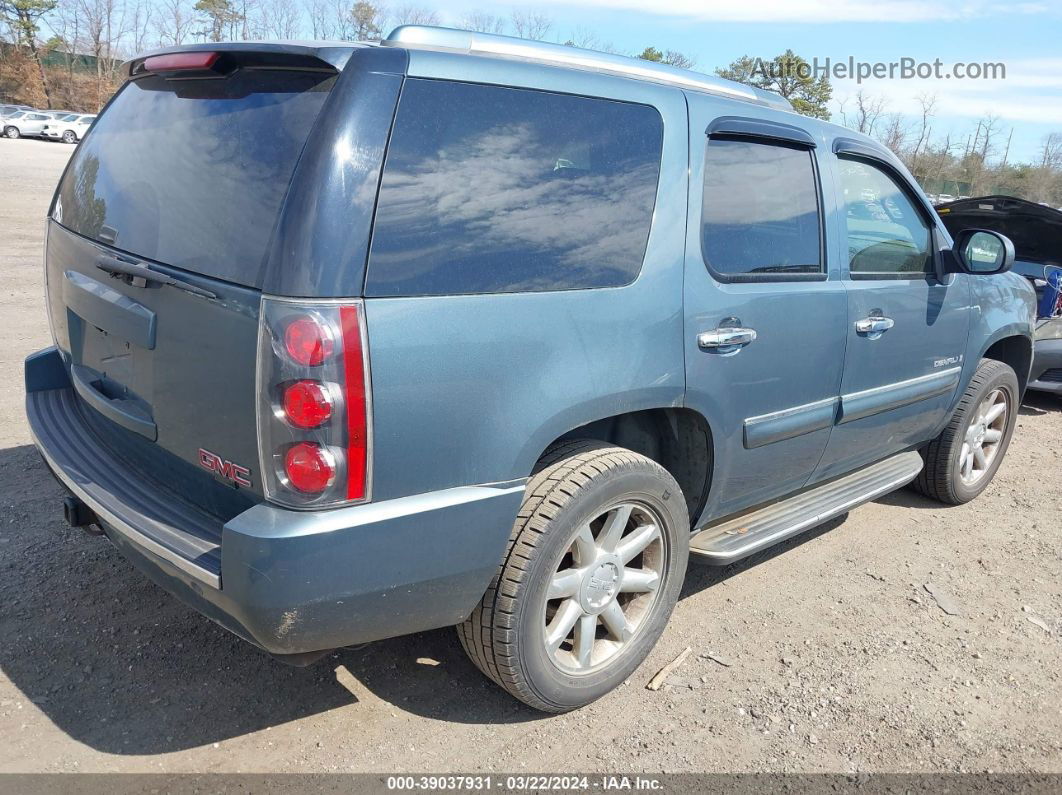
{"points": [[471, 389]]}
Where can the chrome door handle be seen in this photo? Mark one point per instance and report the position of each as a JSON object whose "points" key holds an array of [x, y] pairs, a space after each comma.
{"points": [[874, 325], [725, 338]]}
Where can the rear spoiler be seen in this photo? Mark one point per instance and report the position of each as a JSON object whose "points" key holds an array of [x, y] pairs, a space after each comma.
{"points": [[316, 56]]}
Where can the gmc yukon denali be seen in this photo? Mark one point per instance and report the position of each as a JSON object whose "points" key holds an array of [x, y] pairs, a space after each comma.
{"points": [[352, 341]]}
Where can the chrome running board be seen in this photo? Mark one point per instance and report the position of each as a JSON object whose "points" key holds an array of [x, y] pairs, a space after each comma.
{"points": [[741, 536]]}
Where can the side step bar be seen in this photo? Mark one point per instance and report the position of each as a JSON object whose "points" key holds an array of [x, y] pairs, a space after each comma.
{"points": [[741, 536]]}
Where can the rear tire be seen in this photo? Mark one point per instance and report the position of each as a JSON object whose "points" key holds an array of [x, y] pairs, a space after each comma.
{"points": [[963, 459], [571, 612], [11, 132]]}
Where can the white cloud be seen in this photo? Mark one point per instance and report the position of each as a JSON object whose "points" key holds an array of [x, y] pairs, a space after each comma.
{"points": [[814, 11]]}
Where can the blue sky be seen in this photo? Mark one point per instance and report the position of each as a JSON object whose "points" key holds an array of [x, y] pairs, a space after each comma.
{"points": [[1025, 36]]}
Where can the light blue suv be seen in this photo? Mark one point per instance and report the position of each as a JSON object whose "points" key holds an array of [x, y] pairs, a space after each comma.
{"points": [[357, 341]]}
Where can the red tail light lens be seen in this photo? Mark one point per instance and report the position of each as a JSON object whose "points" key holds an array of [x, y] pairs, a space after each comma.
{"points": [[356, 400], [314, 417], [307, 404], [310, 468], [307, 341]]}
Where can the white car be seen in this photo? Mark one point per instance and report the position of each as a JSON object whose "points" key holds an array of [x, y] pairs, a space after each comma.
{"points": [[26, 123], [69, 129]]}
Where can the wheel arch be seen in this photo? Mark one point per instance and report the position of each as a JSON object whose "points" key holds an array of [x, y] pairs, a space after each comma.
{"points": [[1014, 348], [679, 439]]}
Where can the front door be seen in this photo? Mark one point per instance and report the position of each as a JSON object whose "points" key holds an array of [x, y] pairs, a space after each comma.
{"points": [[764, 317], [907, 328]]}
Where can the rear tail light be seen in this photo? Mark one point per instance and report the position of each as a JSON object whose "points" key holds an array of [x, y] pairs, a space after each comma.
{"points": [[313, 403]]}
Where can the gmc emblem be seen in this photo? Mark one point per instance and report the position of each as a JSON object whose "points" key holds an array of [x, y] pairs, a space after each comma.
{"points": [[231, 472]]}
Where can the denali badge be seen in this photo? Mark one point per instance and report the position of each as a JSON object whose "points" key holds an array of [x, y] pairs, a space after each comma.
{"points": [[235, 473]]}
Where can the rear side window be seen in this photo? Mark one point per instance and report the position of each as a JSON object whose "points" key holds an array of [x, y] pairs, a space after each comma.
{"points": [[760, 216], [192, 173], [887, 236], [489, 189]]}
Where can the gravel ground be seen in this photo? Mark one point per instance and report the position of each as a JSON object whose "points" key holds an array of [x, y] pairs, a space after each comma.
{"points": [[829, 654]]}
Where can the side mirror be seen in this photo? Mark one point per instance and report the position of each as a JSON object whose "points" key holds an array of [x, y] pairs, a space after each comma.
{"points": [[983, 253]]}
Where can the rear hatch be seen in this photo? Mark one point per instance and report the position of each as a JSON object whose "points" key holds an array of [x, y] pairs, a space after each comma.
{"points": [[155, 257]]}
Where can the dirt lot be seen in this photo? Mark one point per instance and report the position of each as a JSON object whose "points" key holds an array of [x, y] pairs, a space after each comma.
{"points": [[827, 655]]}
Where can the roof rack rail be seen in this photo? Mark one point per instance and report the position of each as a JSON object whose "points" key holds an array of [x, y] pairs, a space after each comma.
{"points": [[427, 37]]}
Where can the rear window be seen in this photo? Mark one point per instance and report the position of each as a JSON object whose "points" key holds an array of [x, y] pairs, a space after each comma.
{"points": [[488, 189], [192, 173], [760, 211]]}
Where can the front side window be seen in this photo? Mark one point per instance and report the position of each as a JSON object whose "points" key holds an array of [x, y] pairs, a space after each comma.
{"points": [[488, 189], [760, 210], [887, 236]]}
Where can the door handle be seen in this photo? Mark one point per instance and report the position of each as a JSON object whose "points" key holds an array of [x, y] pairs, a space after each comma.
{"points": [[726, 338], [875, 325]]}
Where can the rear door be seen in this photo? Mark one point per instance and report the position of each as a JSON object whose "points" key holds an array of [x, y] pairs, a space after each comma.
{"points": [[906, 327], [185, 178], [765, 312]]}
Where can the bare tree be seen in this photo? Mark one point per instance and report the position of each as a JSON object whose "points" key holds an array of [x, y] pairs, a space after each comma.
{"points": [[867, 112], [531, 25], [894, 135], [676, 58], [928, 103], [139, 14], [104, 25], [174, 22], [410, 15], [278, 19], [65, 23], [483, 22]]}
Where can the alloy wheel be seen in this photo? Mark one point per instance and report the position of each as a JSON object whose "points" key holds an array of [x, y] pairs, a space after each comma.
{"points": [[604, 587], [984, 436]]}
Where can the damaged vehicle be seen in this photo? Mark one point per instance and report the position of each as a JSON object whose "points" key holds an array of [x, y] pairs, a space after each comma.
{"points": [[1036, 231], [354, 341]]}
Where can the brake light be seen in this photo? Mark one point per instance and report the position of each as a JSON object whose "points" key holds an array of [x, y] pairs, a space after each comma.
{"points": [[308, 342], [313, 405], [309, 467], [180, 61], [307, 404]]}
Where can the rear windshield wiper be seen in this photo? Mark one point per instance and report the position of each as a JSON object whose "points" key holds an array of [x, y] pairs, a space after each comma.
{"points": [[116, 267]]}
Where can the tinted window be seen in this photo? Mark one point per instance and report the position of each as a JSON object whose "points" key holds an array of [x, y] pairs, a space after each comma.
{"points": [[760, 209], [490, 189], [886, 233], [192, 173]]}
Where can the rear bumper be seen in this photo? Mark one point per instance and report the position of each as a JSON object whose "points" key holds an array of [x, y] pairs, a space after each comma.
{"points": [[291, 582], [1046, 374]]}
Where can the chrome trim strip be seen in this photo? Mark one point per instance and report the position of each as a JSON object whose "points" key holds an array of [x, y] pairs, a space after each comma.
{"points": [[900, 384], [868, 402], [777, 415], [788, 423], [122, 527]]}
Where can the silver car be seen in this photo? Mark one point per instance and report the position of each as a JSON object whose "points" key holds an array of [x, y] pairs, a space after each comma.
{"points": [[70, 128], [26, 123]]}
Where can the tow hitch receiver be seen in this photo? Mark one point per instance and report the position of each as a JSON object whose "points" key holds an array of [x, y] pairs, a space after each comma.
{"points": [[77, 514]]}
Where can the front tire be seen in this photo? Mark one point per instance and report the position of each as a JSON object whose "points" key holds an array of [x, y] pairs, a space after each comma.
{"points": [[961, 462], [11, 132], [69, 137], [593, 569]]}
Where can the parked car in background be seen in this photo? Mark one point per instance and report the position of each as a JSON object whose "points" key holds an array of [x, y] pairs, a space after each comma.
{"points": [[70, 129], [1036, 231], [26, 124], [616, 314]]}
